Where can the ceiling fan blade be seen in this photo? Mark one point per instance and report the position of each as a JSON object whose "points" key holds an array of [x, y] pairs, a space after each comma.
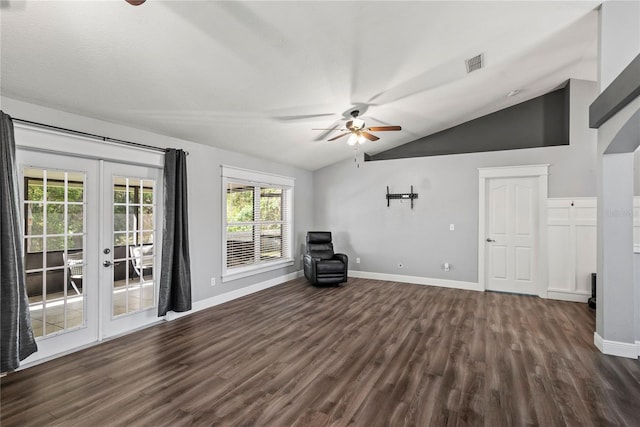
{"points": [[383, 128], [439, 75], [369, 136], [339, 136], [328, 131], [302, 116], [135, 2]]}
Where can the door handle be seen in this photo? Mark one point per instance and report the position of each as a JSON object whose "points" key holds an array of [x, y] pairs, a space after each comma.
{"points": [[490, 240], [107, 263]]}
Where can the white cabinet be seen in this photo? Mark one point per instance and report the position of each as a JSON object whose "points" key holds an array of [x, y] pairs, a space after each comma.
{"points": [[572, 247]]}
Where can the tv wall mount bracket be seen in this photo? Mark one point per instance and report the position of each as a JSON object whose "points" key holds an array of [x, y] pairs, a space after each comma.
{"points": [[402, 196]]}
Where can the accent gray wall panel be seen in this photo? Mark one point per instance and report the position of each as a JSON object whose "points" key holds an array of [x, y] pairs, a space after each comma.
{"points": [[624, 89], [539, 122]]}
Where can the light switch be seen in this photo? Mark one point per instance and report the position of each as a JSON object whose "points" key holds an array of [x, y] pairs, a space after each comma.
{"points": [[452, 227]]}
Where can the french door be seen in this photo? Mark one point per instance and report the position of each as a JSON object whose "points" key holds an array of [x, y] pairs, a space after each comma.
{"points": [[90, 228], [129, 261]]}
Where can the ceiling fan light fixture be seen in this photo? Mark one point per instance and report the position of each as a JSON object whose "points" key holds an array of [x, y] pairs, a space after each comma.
{"points": [[356, 131], [357, 123]]}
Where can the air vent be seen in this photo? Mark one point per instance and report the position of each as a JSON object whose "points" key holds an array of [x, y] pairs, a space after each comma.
{"points": [[475, 63]]}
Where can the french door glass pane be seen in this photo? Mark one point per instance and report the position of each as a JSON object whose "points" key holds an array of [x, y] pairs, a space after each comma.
{"points": [[54, 207], [133, 239]]}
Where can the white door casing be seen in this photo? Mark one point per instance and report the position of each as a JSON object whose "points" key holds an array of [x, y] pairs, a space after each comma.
{"points": [[520, 194]]}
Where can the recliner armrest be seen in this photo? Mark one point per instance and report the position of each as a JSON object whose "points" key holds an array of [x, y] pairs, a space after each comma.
{"points": [[309, 259], [310, 267], [342, 257], [345, 260]]}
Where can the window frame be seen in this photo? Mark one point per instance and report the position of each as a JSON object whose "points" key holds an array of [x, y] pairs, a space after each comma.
{"points": [[261, 180]]}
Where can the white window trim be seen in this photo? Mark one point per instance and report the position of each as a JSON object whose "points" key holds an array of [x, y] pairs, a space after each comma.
{"points": [[234, 174], [241, 272], [255, 177]]}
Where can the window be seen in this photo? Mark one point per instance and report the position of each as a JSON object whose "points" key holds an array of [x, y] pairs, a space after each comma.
{"points": [[257, 222]]}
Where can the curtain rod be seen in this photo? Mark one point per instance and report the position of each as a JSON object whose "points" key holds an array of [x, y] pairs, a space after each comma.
{"points": [[91, 135]]}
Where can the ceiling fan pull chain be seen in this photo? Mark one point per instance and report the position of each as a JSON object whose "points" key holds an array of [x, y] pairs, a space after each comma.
{"points": [[355, 156]]}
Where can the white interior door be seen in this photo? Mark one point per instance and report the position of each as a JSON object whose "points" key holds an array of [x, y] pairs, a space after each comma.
{"points": [[60, 226], [512, 237], [130, 246]]}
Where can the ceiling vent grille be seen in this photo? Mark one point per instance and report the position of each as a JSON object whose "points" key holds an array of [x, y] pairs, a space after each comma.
{"points": [[475, 63]]}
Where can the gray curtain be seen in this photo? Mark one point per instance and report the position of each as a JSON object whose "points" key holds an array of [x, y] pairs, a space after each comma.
{"points": [[175, 274], [16, 334]]}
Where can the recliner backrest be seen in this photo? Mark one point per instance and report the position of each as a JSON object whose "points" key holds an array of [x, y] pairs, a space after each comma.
{"points": [[319, 244]]}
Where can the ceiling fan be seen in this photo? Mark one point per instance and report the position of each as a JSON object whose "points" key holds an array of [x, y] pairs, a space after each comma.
{"points": [[135, 2], [357, 131]]}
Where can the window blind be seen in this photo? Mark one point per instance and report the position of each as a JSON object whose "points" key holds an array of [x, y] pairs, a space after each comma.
{"points": [[257, 224]]}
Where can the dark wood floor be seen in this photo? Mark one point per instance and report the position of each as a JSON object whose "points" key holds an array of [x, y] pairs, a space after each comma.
{"points": [[365, 354]]}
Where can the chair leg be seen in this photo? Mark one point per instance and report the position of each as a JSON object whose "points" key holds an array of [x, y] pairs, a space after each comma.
{"points": [[75, 288]]}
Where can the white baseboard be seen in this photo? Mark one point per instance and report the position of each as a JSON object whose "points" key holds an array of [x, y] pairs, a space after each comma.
{"points": [[443, 283], [38, 358], [616, 348], [598, 342], [564, 295], [229, 296]]}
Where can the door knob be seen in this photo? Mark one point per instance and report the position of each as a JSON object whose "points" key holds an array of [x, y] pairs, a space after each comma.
{"points": [[107, 263], [490, 240]]}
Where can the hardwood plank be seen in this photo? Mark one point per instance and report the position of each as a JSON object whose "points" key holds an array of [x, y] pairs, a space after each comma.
{"points": [[367, 353]]}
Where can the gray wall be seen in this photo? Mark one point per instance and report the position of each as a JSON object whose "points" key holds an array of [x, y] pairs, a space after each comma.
{"points": [[636, 173], [351, 201], [619, 44], [205, 221], [205, 193], [619, 41], [616, 272], [636, 280]]}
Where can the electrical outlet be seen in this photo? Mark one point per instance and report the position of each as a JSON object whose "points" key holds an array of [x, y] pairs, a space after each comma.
{"points": [[213, 281], [446, 266], [400, 265], [452, 227], [357, 260]]}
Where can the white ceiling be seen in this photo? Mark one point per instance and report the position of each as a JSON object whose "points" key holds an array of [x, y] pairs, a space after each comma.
{"points": [[243, 75]]}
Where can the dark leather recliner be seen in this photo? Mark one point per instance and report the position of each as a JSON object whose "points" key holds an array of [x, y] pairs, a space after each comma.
{"points": [[321, 265]]}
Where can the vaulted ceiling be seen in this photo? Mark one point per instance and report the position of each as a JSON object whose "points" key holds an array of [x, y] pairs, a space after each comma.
{"points": [[256, 77]]}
